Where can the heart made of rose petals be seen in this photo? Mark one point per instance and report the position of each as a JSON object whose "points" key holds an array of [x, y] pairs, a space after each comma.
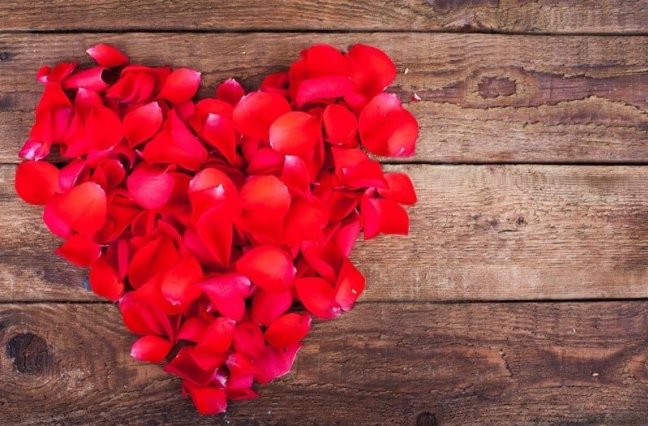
{"points": [[205, 221]]}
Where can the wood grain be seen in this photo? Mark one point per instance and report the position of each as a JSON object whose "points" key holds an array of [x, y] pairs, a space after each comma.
{"points": [[485, 98], [528, 363], [478, 233], [517, 16]]}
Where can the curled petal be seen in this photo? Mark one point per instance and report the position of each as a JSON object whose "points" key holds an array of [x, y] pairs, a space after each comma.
{"points": [[90, 79], [267, 306], [256, 111], [80, 250], [150, 186], [269, 267], [349, 286], [324, 60], [318, 297], [37, 181], [156, 256], [180, 86], [107, 56], [196, 366], [218, 131], [340, 124], [142, 123], [323, 89], [230, 91], [151, 348], [399, 188], [288, 330], [211, 188], [138, 317], [104, 281]]}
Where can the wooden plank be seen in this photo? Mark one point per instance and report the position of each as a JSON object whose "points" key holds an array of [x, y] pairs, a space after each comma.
{"points": [[478, 232], [460, 364], [485, 98], [543, 16]]}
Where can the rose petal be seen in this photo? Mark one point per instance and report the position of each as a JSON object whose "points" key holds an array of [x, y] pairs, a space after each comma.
{"points": [[399, 188], [267, 306], [104, 280], [382, 216], [107, 56], [151, 348], [386, 128], [208, 400], [295, 133], [179, 284], [156, 256], [268, 267], [373, 70], [256, 111], [82, 209], [288, 330], [36, 181], [318, 297], [341, 125], [219, 336], [79, 250], [150, 186], [230, 91], [349, 286], [227, 294], [180, 86], [323, 88], [248, 339], [142, 123], [274, 363], [90, 79]]}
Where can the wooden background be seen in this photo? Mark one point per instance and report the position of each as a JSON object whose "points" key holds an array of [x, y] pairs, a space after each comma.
{"points": [[521, 296]]}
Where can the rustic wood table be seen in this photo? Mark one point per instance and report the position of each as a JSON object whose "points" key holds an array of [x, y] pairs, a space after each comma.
{"points": [[521, 295]]}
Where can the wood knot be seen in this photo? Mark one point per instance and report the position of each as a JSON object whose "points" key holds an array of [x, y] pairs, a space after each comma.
{"points": [[29, 353], [4, 56], [426, 419], [494, 87]]}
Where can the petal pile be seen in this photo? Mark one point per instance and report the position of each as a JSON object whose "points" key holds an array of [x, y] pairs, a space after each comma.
{"points": [[220, 226]]}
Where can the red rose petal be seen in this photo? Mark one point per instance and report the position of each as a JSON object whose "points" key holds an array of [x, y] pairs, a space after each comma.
{"points": [[230, 91], [340, 124], [323, 88], [82, 209], [349, 286], [208, 400], [218, 336], [36, 181], [274, 363], [383, 216], [180, 86], [288, 330], [318, 296], [215, 231], [151, 349], [248, 339], [373, 70], [90, 79], [150, 186], [268, 267], [256, 111], [399, 188], [142, 123], [267, 306], [227, 294], [295, 133], [80, 250], [107, 56], [179, 284], [386, 128], [104, 280]]}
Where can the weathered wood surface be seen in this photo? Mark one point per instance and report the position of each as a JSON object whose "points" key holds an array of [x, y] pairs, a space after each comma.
{"points": [[460, 364], [477, 233], [485, 98], [516, 16]]}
